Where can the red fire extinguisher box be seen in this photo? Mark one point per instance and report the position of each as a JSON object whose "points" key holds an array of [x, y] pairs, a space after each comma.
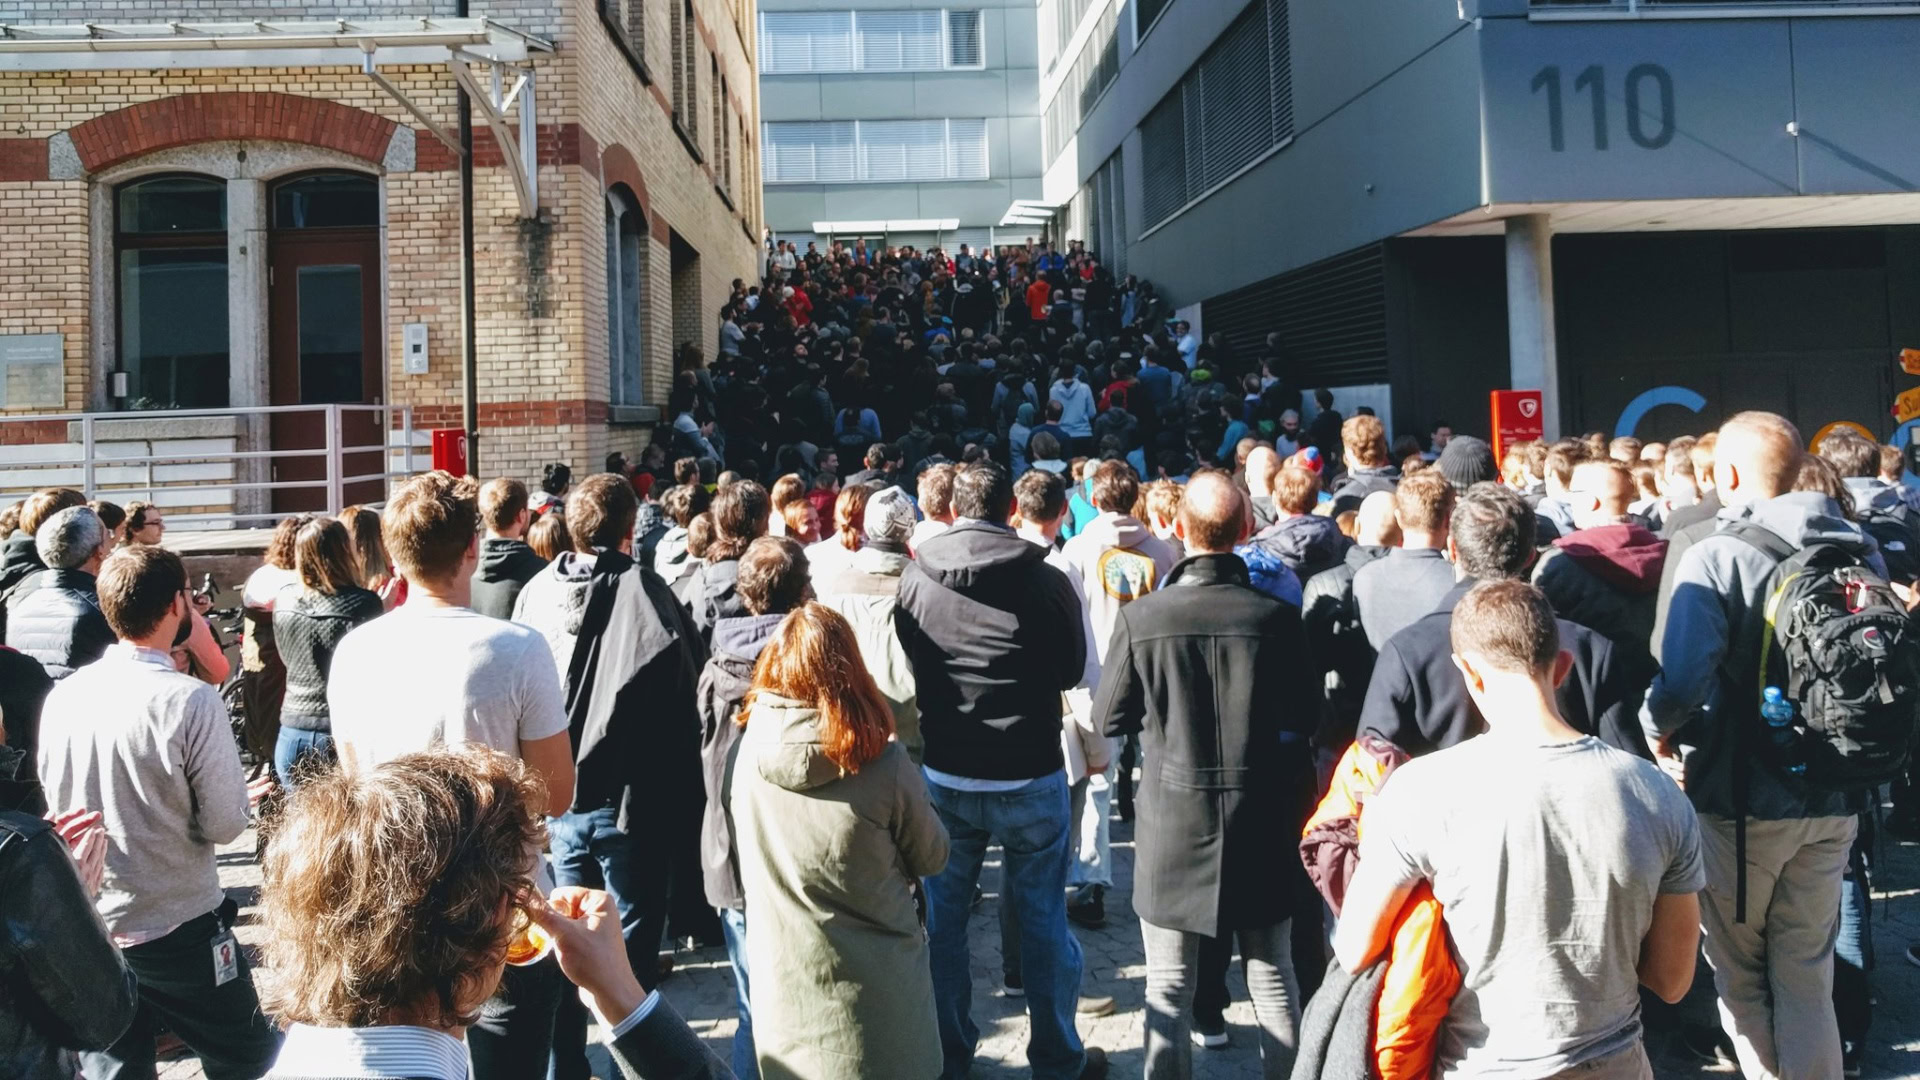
{"points": [[450, 450]]}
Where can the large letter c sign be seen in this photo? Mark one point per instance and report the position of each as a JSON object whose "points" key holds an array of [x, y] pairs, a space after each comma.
{"points": [[1660, 395]]}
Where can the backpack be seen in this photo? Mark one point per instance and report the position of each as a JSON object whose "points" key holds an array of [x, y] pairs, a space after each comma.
{"points": [[1841, 647], [1896, 529]]}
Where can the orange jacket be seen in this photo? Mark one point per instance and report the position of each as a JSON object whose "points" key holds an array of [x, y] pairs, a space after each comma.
{"points": [[1421, 977]]}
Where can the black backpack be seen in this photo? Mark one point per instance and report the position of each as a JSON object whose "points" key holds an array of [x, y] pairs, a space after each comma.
{"points": [[1897, 531], [1842, 649]]}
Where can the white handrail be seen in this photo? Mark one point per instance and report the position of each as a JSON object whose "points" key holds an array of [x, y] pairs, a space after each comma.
{"points": [[223, 483]]}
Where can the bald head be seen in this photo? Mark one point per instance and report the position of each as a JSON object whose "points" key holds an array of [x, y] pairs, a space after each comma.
{"points": [[1376, 524], [1756, 457], [1213, 516], [1263, 464], [1600, 493]]}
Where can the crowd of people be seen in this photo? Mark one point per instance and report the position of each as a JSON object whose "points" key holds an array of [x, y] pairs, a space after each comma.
{"points": [[1509, 742]]}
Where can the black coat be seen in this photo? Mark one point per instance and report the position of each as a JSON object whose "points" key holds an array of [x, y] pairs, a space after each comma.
{"points": [[1216, 678], [63, 986], [19, 560], [505, 566], [54, 617], [630, 699], [1418, 700], [1339, 644], [994, 636]]}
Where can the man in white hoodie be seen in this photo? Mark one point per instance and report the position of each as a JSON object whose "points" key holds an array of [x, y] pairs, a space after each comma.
{"points": [[1114, 560], [1076, 407]]}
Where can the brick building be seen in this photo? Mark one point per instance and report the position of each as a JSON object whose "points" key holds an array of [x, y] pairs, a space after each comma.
{"points": [[231, 214]]}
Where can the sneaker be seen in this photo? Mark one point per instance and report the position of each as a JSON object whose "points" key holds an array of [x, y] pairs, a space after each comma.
{"points": [[1913, 954], [1011, 986], [1096, 1067], [1091, 910], [1210, 1035], [1095, 1006]]}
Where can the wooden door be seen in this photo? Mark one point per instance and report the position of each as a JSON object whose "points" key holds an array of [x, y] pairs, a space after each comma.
{"points": [[324, 312]]}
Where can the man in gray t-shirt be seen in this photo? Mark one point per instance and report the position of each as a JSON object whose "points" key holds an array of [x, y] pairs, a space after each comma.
{"points": [[1568, 870]]}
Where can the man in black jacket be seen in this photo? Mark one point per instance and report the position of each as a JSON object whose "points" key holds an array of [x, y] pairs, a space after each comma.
{"points": [[54, 615], [1227, 758], [994, 636], [506, 562], [1418, 700]]}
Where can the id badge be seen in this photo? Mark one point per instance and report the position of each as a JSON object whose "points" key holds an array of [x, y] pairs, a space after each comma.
{"points": [[226, 958]]}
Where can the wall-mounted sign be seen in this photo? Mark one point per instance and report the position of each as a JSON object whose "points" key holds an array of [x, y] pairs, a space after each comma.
{"points": [[1518, 416], [33, 371]]}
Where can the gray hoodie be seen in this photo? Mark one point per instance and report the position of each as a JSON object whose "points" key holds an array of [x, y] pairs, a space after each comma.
{"points": [[1711, 644]]}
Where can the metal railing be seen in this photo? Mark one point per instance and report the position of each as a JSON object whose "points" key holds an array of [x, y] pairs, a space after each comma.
{"points": [[103, 457]]}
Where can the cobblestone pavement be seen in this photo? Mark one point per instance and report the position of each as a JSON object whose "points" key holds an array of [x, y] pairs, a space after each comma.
{"points": [[701, 987]]}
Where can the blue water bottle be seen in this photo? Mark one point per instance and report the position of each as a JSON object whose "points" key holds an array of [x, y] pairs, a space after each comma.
{"points": [[1777, 711]]}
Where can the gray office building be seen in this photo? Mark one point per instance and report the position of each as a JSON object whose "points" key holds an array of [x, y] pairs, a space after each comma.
{"points": [[900, 125], [1658, 213]]}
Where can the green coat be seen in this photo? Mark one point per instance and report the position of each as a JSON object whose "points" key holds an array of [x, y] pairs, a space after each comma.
{"points": [[841, 985]]}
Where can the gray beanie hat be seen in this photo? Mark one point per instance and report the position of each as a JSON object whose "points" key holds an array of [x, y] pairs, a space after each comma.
{"points": [[891, 516]]}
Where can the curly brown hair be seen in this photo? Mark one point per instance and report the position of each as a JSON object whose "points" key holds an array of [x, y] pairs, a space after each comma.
{"points": [[391, 893]]}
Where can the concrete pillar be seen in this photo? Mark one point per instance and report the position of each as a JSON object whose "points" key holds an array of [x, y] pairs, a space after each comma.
{"points": [[1533, 362], [248, 340]]}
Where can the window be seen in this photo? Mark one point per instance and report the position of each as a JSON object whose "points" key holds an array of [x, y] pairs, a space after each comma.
{"points": [[626, 22], [1230, 108], [171, 240], [1106, 215], [807, 42], [1093, 71], [331, 200], [719, 91], [626, 245], [1145, 14], [841, 151], [963, 40]]}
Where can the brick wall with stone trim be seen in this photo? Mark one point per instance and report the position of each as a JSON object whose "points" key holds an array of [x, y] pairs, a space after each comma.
{"points": [[541, 312]]}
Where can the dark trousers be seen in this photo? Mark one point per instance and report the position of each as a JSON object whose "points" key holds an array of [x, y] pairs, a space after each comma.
{"points": [[514, 1036], [222, 1024]]}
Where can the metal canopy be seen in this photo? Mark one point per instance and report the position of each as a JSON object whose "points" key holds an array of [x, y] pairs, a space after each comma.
{"points": [[463, 44], [1028, 212]]}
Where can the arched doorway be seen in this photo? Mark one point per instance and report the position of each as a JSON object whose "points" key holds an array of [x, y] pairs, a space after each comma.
{"points": [[325, 324]]}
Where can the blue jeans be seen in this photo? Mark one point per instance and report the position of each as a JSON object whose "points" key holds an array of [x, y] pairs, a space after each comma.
{"points": [[1853, 949], [300, 749], [590, 850], [733, 927], [1033, 826]]}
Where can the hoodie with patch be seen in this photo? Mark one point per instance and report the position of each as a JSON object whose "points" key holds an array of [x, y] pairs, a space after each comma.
{"points": [[995, 636], [505, 566], [1710, 652], [1118, 560], [1607, 579]]}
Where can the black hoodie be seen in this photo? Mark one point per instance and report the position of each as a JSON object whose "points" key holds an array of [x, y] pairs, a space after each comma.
{"points": [[505, 566], [994, 636]]}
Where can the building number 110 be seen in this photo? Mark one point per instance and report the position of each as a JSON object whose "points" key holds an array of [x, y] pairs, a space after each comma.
{"points": [[1592, 81]]}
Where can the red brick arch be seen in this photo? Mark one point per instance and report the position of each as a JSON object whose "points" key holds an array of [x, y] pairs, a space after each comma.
{"points": [[617, 166], [111, 138]]}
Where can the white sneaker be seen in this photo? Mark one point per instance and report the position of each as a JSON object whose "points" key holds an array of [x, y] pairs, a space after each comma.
{"points": [[1210, 1040]]}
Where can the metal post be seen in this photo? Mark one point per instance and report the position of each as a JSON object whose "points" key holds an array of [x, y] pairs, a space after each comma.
{"points": [[336, 462], [406, 414], [469, 363], [86, 453]]}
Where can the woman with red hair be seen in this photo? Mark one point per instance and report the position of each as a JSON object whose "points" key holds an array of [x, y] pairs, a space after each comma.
{"points": [[833, 827]]}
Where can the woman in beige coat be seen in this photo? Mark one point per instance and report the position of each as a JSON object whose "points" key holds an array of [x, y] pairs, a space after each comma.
{"points": [[833, 826]]}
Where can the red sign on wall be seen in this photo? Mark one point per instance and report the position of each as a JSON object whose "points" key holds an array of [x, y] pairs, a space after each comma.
{"points": [[1518, 416]]}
